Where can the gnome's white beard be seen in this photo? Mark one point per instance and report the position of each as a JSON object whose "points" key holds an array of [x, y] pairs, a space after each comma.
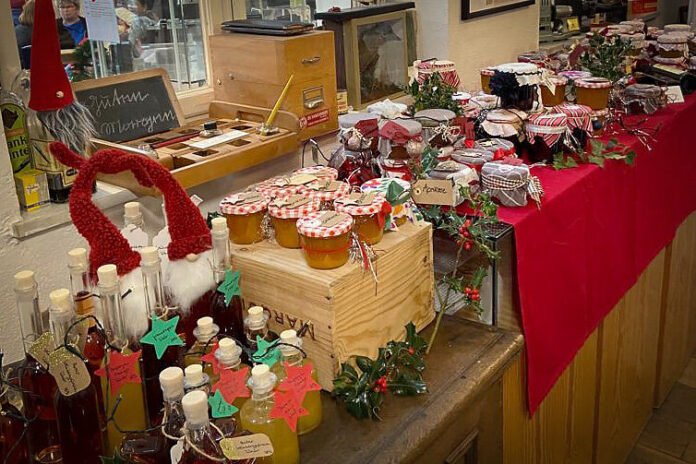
{"points": [[186, 281], [134, 304]]}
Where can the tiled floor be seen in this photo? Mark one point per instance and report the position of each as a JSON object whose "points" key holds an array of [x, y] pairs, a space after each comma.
{"points": [[670, 435]]}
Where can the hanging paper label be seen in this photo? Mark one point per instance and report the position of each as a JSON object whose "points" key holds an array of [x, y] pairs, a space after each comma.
{"points": [[162, 335], [266, 353], [161, 241], [359, 199], [291, 202], [330, 219], [230, 286], [243, 198], [301, 179], [70, 371], [176, 452], [220, 407], [122, 369], [299, 380], [434, 192], [232, 384], [253, 446], [326, 185], [42, 348], [287, 406]]}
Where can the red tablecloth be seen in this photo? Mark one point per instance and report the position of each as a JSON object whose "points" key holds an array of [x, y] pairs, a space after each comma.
{"points": [[597, 230]]}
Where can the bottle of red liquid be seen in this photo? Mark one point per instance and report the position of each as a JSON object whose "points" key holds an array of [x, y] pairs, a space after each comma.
{"points": [[13, 441], [79, 425], [40, 387], [229, 315]]}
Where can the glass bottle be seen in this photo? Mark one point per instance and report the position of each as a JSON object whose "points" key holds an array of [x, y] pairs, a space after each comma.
{"points": [[133, 215], [255, 418], [13, 440], [201, 443], [195, 379], [312, 400], [230, 316], [228, 356], [79, 427], [256, 325], [150, 266], [130, 414], [40, 386], [15, 124], [92, 343], [206, 333], [153, 447]]}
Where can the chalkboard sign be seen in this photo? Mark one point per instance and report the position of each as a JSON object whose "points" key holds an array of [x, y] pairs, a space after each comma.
{"points": [[130, 106]]}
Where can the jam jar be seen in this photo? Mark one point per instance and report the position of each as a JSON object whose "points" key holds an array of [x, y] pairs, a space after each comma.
{"points": [[637, 42], [593, 92], [495, 144], [579, 122], [326, 191], [545, 135], [436, 127], [369, 211], [474, 158], [245, 212], [284, 186], [669, 28], [318, 171], [285, 212], [366, 123], [504, 124], [672, 45], [402, 205], [636, 26], [395, 135], [550, 99], [486, 74], [526, 78], [599, 121], [325, 238]]}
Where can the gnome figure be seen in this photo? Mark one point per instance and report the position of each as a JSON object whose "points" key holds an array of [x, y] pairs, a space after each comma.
{"points": [[51, 96], [188, 277]]}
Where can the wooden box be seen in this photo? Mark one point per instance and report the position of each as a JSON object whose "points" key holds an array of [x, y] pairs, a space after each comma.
{"points": [[253, 70], [348, 314]]}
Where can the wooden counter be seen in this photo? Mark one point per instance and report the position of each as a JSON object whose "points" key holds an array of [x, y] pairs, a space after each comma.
{"points": [[460, 417]]}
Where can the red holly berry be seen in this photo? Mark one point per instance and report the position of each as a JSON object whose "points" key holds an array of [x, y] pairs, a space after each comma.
{"points": [[475, 297], [467, 223], [411, 351], [376, 390], [467, 246]]}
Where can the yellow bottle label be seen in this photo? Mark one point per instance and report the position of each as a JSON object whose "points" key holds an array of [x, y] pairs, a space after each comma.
{"points": [[14, 121], [257, 445]]}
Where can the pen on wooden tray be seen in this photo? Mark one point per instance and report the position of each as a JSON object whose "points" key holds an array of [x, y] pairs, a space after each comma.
{"points": [[173, 140]]}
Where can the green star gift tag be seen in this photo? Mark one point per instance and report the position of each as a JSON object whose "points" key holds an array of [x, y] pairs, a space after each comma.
{"points": [[162, 335], [266, 353], [220, 407], [230, 286]]}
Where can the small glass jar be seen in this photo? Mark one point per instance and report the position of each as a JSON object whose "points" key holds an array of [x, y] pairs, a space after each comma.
{"points": [[318, 171], [283, 186], [437, 129], [636, 26], [556, 98], [545, 135], [579, 121], [245, 214], [285, 212], [366, 123], [486, 74], [401, 206], [325, 238], [573, 76], [369, 213], [474, 158], [504, 124], [524, 94], [593, 92], [462, 98], [394, 136], [637, 42], [326, 191], [599, 121], [672, 45]]}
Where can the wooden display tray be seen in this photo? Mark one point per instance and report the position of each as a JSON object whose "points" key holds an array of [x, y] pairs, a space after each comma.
{"points": [[348, 317]]}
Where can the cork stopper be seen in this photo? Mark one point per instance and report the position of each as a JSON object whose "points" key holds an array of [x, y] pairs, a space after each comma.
{"points": [[132, 210], [205, 329], [24, 280], [257, 318], [290, 337], [219, 225], [172, 382], [262, 380], [194, 377], [60, 300], [195, 405], [228, 352], [77, 258], [149, 256], [107, 275]]}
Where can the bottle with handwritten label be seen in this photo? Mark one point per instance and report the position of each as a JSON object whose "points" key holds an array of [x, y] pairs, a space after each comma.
{"points": [[79, 427], [92, 342], [130, 413], [151, 268], [39, 386], [255, 417], [229, 358], [227, 310], [256, 325], [195, 379], [292, 356], [13, 439], [201, 445]]}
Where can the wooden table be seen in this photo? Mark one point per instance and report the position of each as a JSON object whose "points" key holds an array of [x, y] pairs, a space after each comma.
{"points": [[458, 421]]}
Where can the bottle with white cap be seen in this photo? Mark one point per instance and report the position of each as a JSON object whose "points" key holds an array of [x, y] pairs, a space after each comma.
{"points": [[134, 226], [172, 383], [61, 316], [228, 314], [290, 354], [132, 214], [206, 333], [195, 379], [39, 386], [229, 358], [130, 414], [201, 445], [256, 325], [255, 417]]}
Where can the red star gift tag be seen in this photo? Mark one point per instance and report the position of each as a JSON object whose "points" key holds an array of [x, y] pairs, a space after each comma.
{"points": [[299, 380], [121, 370], [211, 359], [287, 406], [232, 384]]}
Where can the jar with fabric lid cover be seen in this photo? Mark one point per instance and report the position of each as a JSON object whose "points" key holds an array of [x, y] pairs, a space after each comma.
{"points": [[367, 124], [579, 119], [325, 238], [504, 124], [516, 84], [546, 134], [369, 211], [437, 128], [593, 92], [245, 214], [550, 99], [672, 45], [285, 212], [396, 134], [402, 206]]}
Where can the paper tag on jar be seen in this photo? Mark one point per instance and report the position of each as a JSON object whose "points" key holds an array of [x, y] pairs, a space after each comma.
{"points": [[70, 371], [330, 219], [326, 185], [257, 445], [299, 179], [42, 348], [291, 202], [359, 199], [449, 166], [244, 198]]}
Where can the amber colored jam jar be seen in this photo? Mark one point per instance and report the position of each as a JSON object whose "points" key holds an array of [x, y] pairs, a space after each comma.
{"points": [[552, 99], [325, 238], [486, 74], [326, 191], [672, 45], [284, 186], [318, 171], [593, 92], [245, 213], [368, 211], [285, 212]]}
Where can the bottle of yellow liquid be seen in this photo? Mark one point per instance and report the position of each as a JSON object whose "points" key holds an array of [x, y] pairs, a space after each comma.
{"points": [[229, 358], [256, 325], [130, 414], [255, 418], [206, 333], [291, 355]]}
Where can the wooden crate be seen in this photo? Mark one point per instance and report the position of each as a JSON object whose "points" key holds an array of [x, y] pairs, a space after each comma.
{"points": [[348, 316]]}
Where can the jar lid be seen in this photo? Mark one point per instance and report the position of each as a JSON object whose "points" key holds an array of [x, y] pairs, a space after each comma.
{"points": [[243, 203], [511, 116], [347, 121], [485, 101], [672, 38], [489, 71], [360, 204], [318, 171], [593, 83], [472, 156], [326, 189], [412, 128], [575, 75], [518, 68], [493, 144], [673, 61], [677, 28], [293, 207], [631, 38], [434, 116], [324, 224], [548, 120], [283, 186], [557, 80], [381, 184], [572, 110], [643, 90], [461, 96]]}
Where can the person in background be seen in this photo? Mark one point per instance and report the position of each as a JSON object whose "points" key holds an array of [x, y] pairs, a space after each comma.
{"points": [[138, 32], [71, 22], [143, 12], [16, 6], [24, 28]]}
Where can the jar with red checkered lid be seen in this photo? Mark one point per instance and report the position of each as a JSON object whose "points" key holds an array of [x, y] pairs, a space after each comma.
{"points": [[369, 210], [325, 238], [285, 212], [245, 212], [326, 191]]}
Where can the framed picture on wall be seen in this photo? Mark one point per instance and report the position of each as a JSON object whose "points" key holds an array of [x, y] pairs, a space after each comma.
{"points": [[477, 8]]}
